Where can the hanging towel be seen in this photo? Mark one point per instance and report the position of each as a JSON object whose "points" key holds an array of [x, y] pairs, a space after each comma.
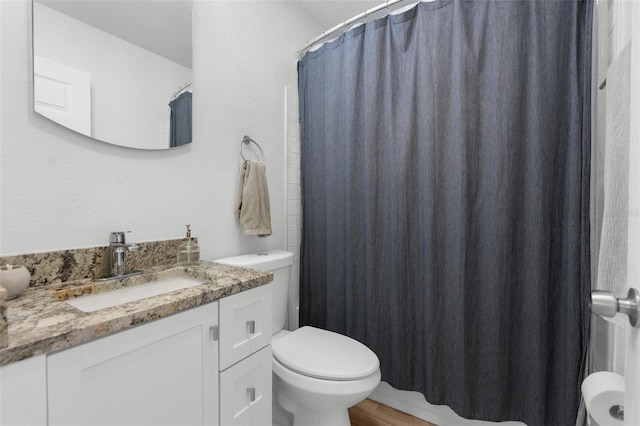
{"points": [[180, 120], [252, 200], [612, 264]]}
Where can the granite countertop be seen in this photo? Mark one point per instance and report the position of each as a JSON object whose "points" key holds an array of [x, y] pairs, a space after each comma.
{"points": [[40, 321]]}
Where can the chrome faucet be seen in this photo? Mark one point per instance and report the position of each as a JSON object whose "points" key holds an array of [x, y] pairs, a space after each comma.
{"points": [[118, 249]]}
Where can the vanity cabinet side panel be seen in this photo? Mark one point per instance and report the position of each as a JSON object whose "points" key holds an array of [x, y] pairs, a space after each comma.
{"points": [[163, 372], [23, 392]]}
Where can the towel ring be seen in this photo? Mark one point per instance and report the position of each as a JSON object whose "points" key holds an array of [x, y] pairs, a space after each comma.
{"points": [[246, 141]]}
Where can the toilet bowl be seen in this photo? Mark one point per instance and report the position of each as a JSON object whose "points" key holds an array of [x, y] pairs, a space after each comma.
{"points": [[317, 374], [320, 374]]}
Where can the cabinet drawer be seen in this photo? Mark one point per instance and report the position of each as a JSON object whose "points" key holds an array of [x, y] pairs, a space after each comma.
{"points": [[245, 391], [263, 418], [245, 324]]}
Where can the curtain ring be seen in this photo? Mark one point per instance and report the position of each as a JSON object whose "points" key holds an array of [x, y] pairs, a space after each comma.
{"points": [[387, 5], [344, 26], [365, 16]]}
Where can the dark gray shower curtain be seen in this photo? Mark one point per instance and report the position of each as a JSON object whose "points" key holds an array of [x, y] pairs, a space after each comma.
{"points": [[445, 191]]}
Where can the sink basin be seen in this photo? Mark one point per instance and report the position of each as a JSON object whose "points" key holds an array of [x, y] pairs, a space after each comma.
{"points": [[95, 302]]}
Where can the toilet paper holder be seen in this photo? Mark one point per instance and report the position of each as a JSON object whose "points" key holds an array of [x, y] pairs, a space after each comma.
{"points": [[605, 304]]}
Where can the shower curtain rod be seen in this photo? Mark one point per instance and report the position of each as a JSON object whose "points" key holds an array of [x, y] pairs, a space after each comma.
{"points": [[177, 92], [350, 21]]}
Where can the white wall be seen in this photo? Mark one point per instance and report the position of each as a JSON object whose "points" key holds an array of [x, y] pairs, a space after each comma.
{"points": [[62, 190]]}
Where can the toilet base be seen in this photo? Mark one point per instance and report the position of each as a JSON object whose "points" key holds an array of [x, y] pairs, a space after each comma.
{"points": [[289, 413], [318, 402]]}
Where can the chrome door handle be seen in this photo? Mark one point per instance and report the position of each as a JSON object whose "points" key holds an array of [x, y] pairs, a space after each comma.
{"points": [[605, 304], [252, 326]]}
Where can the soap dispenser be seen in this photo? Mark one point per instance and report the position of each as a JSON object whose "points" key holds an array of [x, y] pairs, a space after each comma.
{"points": [[188, 251]]}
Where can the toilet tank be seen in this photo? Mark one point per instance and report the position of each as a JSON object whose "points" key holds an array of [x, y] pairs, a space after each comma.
{"points": [[279, 263]]}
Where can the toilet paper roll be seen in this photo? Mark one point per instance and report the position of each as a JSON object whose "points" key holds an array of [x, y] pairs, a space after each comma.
{"points": [[601, 391]]}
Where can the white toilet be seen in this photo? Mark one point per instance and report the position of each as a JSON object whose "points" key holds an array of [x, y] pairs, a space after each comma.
{"points": [[317, 374]]}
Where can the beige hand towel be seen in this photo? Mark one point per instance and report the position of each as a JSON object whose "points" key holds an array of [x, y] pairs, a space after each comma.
{"points": [[252, 200]]}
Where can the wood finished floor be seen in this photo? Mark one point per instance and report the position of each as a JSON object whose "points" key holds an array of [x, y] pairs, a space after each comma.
{"points": [[372, 413]]}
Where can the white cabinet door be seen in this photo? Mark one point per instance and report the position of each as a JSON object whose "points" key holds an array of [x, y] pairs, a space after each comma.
{"points": [[160, 373], [245, 391], [245, 324], [23, 392]]}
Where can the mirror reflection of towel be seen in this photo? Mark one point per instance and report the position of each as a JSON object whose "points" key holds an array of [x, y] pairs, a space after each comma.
{"points": [[180, 120], [252, 200]]}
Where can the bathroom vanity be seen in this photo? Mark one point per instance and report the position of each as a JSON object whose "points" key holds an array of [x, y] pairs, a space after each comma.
{"points": [[196, 356]]}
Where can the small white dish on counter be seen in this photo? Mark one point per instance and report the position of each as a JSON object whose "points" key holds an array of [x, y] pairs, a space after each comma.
{"points": [[15, 279]]}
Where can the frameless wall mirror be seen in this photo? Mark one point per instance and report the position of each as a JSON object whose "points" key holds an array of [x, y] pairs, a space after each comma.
{"points": [[116, 71]]}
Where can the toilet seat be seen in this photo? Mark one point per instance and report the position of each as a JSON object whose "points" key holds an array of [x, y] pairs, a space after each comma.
{"points": [[325, 355]]}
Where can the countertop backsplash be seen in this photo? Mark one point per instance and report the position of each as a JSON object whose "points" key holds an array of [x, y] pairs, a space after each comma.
{"points": [[55, 267]]}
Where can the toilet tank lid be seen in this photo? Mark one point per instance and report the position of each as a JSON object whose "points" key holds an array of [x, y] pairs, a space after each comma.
{"points": [[269, 260]]}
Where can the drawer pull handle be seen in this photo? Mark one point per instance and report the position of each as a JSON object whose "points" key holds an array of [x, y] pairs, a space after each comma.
{"points": [[252, 394], [252, 326]]}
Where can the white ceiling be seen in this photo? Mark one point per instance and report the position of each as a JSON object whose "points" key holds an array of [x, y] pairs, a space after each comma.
{"points": [[164, 26]]}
